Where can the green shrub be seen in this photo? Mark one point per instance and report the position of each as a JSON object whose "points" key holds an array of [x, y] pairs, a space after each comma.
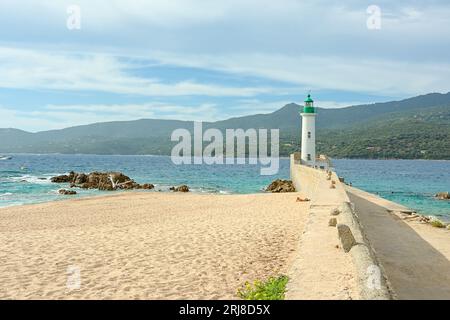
{"points": [[272, 289], [437, 223]]}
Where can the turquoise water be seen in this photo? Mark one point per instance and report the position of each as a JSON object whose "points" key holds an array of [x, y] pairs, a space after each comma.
{"points": [[25, 178]]}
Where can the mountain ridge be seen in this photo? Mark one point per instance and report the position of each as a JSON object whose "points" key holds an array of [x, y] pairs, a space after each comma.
{"points": [[152, 136]]}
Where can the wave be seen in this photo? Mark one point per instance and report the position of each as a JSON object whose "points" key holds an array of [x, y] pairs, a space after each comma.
{"points": [[5, 194], [30, 179]]}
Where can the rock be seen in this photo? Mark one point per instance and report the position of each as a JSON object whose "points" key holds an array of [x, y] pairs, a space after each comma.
{"points": [[182, 188], [332, 222], [66, 192], [99, 180], [335, 212], [80, 178], [442, 196], [332, 186], [448, 227], [61, 179], [148, 186], [346, 237], [279, 185]]}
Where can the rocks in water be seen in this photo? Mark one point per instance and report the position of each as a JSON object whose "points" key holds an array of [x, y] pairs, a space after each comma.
{"points": [[442, 196], [107, 181], [67, 192], [182, 188], [279, 185], [61, 179], [346, 237]]}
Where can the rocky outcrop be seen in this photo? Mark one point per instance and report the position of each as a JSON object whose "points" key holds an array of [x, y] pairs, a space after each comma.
{"points": [[442, 196], [67, 192], [279, 185], [101, 180], [61, 179], [182, 188]]}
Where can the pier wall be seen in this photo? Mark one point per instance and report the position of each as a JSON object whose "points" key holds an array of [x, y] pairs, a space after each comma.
{"points": [[316, 184]]}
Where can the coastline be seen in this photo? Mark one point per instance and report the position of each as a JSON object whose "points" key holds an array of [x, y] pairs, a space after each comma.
{"points": [[160, 245]]}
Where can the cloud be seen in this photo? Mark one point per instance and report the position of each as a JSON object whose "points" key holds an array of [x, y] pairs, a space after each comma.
{"points": [[31, 69], [375, 76]]}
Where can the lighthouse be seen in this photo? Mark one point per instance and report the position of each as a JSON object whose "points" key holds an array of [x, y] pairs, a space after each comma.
{"points": [[308, 147]]}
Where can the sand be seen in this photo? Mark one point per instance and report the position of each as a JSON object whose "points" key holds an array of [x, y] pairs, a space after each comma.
{"points": [[147, 245], [415, 256]]}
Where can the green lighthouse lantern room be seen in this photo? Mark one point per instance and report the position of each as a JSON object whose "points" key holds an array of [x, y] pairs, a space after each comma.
{"points": [[309, 105]]}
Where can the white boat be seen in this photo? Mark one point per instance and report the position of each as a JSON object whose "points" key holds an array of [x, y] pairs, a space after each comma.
{"points": [[5, 157]]}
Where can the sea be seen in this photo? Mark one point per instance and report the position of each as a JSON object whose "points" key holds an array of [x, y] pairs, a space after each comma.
{"points": [[25, 178]]}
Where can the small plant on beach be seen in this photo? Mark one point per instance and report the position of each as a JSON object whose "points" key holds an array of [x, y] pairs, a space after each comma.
{"points": [[437, 223], [273, 288]]}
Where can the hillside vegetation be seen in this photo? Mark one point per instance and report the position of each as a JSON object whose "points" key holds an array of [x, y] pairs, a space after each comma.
{"points": [[414, 128]]}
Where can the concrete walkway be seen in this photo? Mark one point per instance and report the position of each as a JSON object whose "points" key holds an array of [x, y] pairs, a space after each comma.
{"points": [[416, 257], [321, 269]]}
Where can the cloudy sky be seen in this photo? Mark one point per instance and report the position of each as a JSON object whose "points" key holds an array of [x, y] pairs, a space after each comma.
{"points": [[210, 60]]}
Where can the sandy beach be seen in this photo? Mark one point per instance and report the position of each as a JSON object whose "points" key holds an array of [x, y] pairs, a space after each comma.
{"points": [[147, 245]]}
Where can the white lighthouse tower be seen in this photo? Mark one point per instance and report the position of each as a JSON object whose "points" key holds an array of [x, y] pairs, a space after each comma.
{"points": [[308, 147]]}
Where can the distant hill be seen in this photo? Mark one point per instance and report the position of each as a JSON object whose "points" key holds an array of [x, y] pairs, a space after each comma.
{"points": [[417, 127]]}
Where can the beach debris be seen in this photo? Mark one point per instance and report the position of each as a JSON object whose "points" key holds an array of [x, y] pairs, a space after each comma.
{"points": [[332, 222], [279, 186], [442, 196], [67, 192], [182, 188], [107, 181], [346, 237], [302, 199], [335, 212]]}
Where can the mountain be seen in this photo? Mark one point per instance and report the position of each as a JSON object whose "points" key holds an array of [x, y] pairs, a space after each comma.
{"points": [[417, 127]]}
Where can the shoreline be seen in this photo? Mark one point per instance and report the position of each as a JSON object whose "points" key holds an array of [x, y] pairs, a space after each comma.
{"points": [[218, 193]]}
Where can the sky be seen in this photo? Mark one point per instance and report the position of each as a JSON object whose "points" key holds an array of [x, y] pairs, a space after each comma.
{"points": [[66, 63]]}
